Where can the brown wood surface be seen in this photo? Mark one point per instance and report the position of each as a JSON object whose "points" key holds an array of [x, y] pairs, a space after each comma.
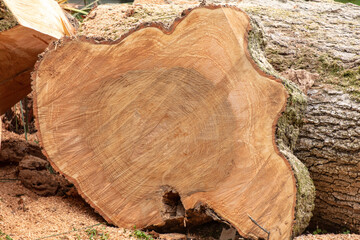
{"points": [[184, 109], [0, 130], [19, 49]]}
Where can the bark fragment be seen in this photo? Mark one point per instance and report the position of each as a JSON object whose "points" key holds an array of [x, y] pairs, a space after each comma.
{"points": [[37, 175]]}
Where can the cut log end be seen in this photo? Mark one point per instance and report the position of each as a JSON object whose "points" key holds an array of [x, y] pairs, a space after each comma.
{"points": [[162, 123], [19, 48]]}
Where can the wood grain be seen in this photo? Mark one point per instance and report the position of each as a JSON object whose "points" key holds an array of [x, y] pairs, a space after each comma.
{"points": [[19, 49], [183, 108]]}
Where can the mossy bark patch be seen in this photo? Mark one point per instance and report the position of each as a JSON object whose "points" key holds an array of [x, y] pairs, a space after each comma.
{"points": [[320, 37], [287, 131]]}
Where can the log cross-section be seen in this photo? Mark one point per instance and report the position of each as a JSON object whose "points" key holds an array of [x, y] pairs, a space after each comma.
{"points": [[169, 115]]}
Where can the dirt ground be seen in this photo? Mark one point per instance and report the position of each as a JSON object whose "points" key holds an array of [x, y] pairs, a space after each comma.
{"points": [[25, 215]]}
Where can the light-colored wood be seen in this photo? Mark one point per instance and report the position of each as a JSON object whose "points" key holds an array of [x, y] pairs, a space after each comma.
{"points": [[45, 16], [183, 109], [19, 49]]}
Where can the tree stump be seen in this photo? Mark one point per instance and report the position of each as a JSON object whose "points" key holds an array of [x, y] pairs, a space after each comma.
{"points": [[169, 126]]}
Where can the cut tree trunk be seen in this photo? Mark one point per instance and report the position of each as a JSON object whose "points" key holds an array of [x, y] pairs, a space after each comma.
{"points": [[20, 45], [19, 49], [321, 37], [170, 126], [318, 36]]}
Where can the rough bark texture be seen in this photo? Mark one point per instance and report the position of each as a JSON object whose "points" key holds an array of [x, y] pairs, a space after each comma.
{"points": [[14, 150], [318, 36], [33, 169], [110, 21], [37, 175], [189, 201], [322, 37], [329, 144]]}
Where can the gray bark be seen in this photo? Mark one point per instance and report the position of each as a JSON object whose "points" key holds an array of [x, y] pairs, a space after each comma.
{"points": [[329, 144], [322, 37]]}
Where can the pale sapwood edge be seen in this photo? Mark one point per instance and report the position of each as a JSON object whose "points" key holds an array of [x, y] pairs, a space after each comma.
{"points": [[287, 132]]}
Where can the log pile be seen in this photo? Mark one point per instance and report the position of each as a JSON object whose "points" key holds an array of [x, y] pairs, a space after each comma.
{"points": [[135, 130]]}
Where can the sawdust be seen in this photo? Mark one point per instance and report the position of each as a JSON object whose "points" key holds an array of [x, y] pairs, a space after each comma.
{"points": [[27, 216], [329, 237]]}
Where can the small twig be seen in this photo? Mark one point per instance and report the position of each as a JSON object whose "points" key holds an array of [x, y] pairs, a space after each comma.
{"points": [[16, 120], [268, 232], [76, 10], [76, 230], [22, 117], [86, 7], [27, 114]]}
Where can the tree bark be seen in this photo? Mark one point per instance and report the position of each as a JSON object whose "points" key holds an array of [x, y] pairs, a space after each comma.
{"points": [[305, 35], [7, 20], [329, 144], [188, 98]]}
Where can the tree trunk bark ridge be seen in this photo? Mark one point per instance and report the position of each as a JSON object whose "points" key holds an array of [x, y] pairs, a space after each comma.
{"points": [[329, 144]]}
